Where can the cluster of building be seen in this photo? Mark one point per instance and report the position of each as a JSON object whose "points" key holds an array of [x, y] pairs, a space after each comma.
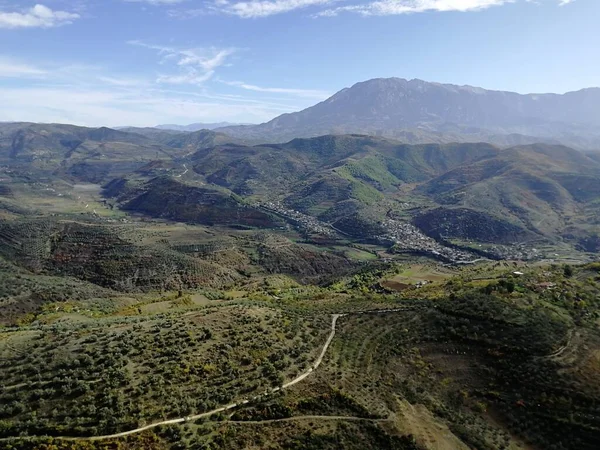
{"points": [[405, 237], [408, 238], [303, 221], [518, 252]]}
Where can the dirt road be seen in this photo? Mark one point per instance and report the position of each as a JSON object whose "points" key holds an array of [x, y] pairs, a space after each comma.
{"points": [[298, 379]]}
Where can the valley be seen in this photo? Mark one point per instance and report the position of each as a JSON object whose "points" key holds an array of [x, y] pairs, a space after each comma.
{"points": [[170, 289], [299, 225]]}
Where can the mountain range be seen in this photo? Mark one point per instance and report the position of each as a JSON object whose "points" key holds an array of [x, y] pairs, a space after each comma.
{"points": [[417, 111], [362, 186], [461, 164]]}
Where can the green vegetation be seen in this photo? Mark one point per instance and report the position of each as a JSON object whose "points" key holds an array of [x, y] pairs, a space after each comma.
{"points": [[199, 273], [371, 169], [494, 359], [538, 194], [109, 375]]}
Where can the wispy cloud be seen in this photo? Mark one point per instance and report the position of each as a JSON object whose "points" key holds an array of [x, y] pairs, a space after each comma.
{"points": [[39, 16], [121, 81], [95, 95], [196, 65], [104, 105], [191, 77], [15, 69], [306, 93], [65, 74], [156, 2], [253, 9], [396, 7]]}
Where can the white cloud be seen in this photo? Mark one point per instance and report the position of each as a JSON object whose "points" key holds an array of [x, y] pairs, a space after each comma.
{"points": [[264, 8], [156, 2], [396, 7], [306, 93], [254, 8], [93, 95], [191, 77], [121, 81], [39, 16], [196, 65], [14, 69]]}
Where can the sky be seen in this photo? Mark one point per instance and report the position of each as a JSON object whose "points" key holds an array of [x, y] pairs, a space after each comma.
{"points": [[149, 62]]}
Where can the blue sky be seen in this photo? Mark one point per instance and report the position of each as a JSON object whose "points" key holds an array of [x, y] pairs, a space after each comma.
{"points": [[144, 62]]}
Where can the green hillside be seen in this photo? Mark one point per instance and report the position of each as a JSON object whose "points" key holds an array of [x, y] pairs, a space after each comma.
{"points": [[538, 192]]}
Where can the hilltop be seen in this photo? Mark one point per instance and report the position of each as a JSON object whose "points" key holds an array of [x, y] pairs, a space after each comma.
{"points": [[518, 194], [416, 111], [196, 126]]}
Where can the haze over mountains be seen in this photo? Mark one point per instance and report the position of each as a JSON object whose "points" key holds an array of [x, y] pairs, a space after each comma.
{"points": [[420, 112], [417, 111], [197, 126]]}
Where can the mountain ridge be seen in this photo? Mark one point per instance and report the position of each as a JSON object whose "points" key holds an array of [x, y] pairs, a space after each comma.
{"points": [[437, 112]]}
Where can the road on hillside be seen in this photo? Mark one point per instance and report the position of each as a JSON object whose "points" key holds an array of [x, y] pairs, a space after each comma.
{"points": [[294, 418], [298, 379]]}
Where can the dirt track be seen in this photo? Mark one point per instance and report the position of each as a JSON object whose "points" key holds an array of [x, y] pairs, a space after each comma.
{"points": [[179, 420], [298, 379]]}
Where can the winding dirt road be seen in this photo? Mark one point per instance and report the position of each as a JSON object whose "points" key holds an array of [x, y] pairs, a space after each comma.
{"points": [[295, 418], [182, 173], [298, 379]]}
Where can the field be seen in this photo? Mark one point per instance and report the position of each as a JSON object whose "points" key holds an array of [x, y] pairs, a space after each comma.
{"points": [[418, 275]]}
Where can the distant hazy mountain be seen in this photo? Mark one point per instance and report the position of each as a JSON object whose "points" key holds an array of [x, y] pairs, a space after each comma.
{"points": [[196, 126], [418, 111], [96, 154]]}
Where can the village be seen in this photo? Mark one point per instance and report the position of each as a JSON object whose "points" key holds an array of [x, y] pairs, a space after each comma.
{"points": [[407, 238], [305, 222]]}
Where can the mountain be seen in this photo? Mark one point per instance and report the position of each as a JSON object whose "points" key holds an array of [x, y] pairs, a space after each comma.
{"points": [[380, 164], [151, 132], [461, 192], [167, 198], [540, 187], [198, 139], [364, 187], [196, 126], [417, 111], [94, 154]]}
